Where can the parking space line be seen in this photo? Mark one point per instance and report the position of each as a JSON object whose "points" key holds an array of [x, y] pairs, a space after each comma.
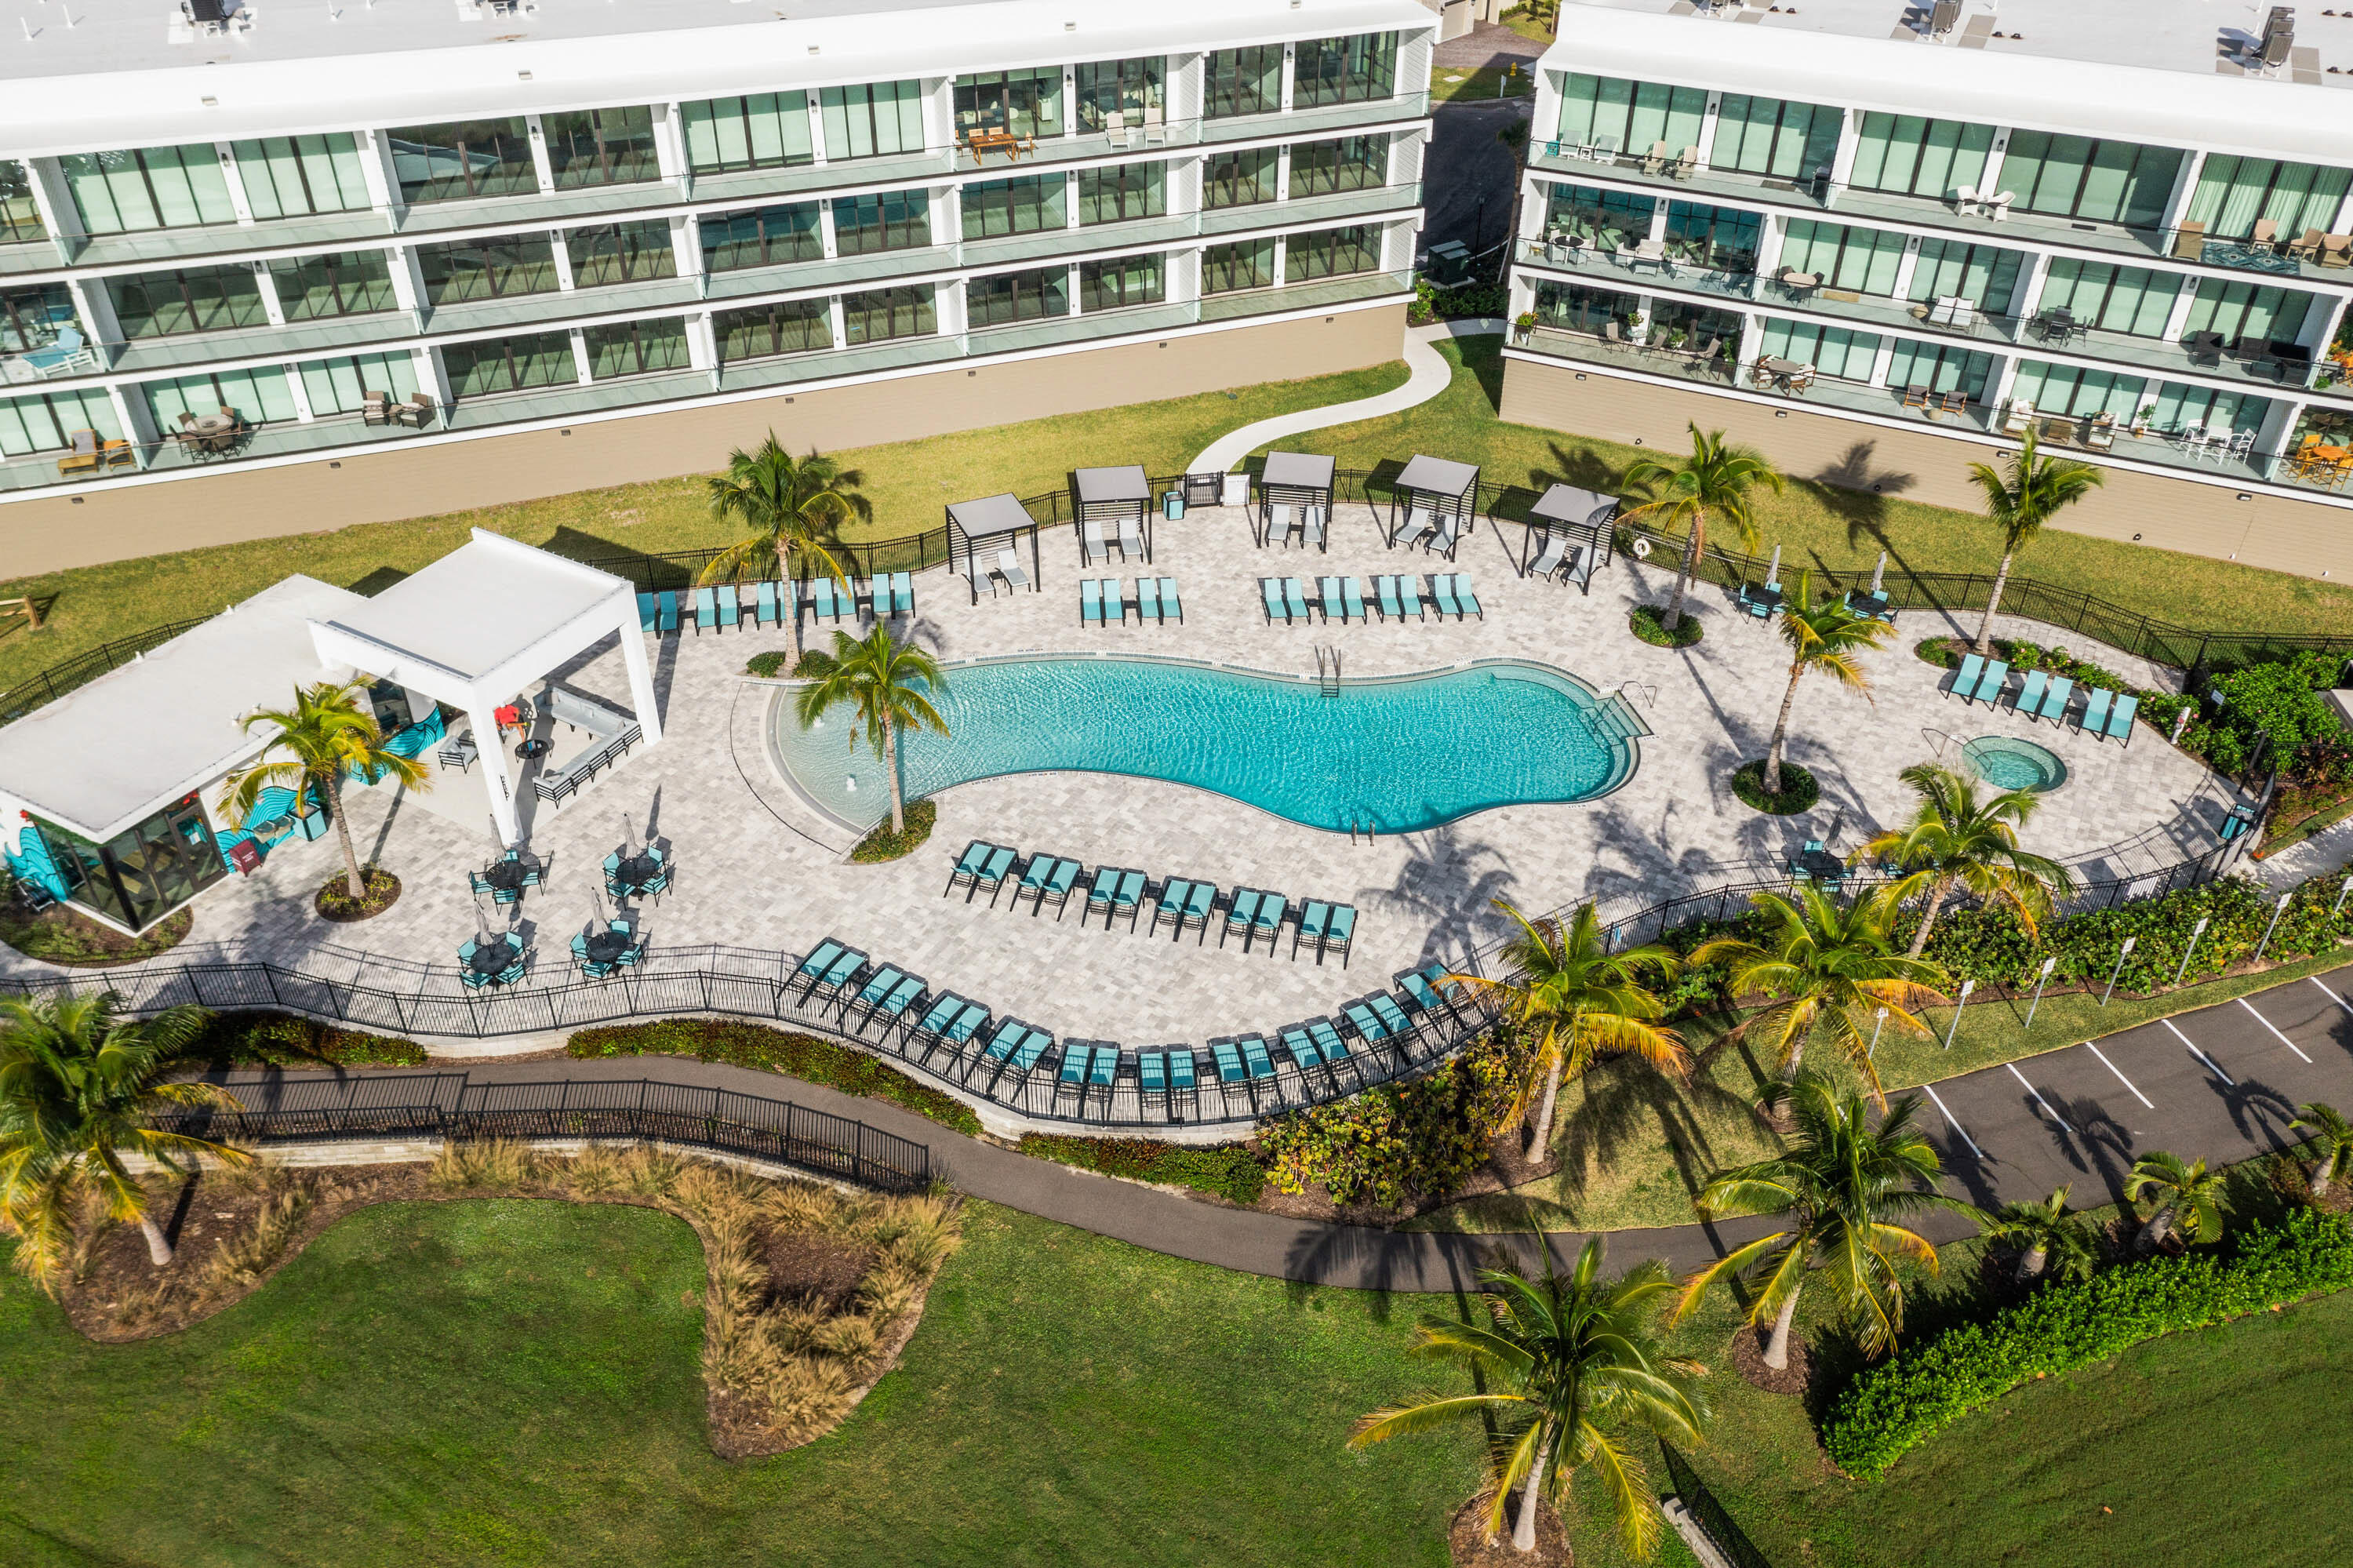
{"points": [[1954, 1120], [2274, 1028], [2127, 1083], [2331, 995], [2030, 1089], [2201, 1055]]}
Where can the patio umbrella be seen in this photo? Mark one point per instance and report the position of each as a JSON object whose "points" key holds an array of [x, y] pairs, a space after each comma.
{"points": [[628, 838], [1773, 574], [1877, 573]]}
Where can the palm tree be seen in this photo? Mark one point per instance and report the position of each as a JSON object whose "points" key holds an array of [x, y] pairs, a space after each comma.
{"points": [[1575, 1358], [2185, 1194], [78, 1089], [1823, 636], [2334, 1134], [791, 510], [329, 732], [1829, 972], [2018, 502], [2049, 1237], [1955, 840], [1714, 481], [1839, 1186], [889, 683], [1582, 1001]]}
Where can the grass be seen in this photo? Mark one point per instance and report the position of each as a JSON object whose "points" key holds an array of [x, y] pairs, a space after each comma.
{"points": [[1481, 82], [59, 935]]}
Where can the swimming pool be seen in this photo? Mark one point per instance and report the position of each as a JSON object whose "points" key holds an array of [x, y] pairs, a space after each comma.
{"points": [[1392, 755]]}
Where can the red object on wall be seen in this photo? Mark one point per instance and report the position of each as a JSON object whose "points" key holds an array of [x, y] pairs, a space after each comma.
{"points": [[246, 855]]}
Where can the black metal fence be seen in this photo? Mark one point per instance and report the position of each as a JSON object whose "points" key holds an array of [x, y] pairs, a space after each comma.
{"points": [[315, 1107]]}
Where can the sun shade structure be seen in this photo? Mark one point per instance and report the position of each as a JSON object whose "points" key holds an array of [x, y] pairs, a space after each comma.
{"points": [[1568, 533], [982, 533], [1117, 500], [1433, 501], [1294, 481], [479, 625]]}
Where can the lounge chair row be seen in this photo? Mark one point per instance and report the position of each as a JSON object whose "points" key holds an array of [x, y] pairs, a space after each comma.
{"points": [[1320, 1042], [2106, 715], [1103, 602], [1282, 519], [1183, 904], [1096, 546], [771, 603], [1432, 530], [1345, 599]]}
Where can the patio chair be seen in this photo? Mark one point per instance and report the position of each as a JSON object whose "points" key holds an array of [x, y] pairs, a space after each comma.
{"points": [[1442, 591], [1467, 601], [706, 611], [731, 606], [968, 866], [1198, 905], [1104, 1072], [1240, 913], [1255, 1056], [1294, 599], [1422, 988], [1351, 598], [1327, 1039], [1550, 556], [1329, 588], [1367, 1027], [1131, 538], [1657, 159], [649, 612], [1995, 681], [1338, 932], [1762, 609], [1271, 592], [666, 610], [1229, 1061], [1100, 891], [2055, 704], [1152, 1071], [1009, 566], [935, 1020], [1171, 607], [1419, 522], [1268, 921], [2030, 692], [1972, 666], [1034, 877], [1303, 1050], [1057, 887], [1129, 895], [1278, 522], [2095, 710], [764, 604], [1450, 530], [1386, 589], [1311, 526], [1410, 595], [1180, 1069], [1391, 1015], [1147, 601], [970, 1022], [1312, 916], [881, 984], [1170, 904], [1686, 164], [2120, 719], [788, 602], [513, 971], [902, 593], [838, 976], [1091, 604], [991, 875], [1095, 547]]}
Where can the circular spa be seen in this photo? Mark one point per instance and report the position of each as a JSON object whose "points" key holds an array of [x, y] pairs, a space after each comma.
{"points": [[2007, 763], [1392, 755]]}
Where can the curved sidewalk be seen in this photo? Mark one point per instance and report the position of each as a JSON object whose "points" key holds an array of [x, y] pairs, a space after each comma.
{"points": [[1432, 375]]}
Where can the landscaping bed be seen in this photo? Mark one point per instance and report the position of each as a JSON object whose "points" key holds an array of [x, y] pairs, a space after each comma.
{"points": [[61, 935], [335, 902], [754, 1045], [1649, 624], [883, 845], [1800, 792]]}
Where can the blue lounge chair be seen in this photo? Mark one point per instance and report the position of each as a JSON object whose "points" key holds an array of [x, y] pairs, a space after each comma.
{"points": [[1421, 989], [828, 601], [1386, 589], [1268, 921], [992, 874], [731, 606], [967, 1023], [943, 1012], [1180, 1069], [1198, 905], [1334, 610], [1148, 600], [2030, 692], [1129, 895], [902, 593], [706, 611], [1034, 875], [1170, 904], [1338, 933], [1091, 604], [1442, 591], [1312, 916], [878, 987], [666, 606], [1966, 681], [999, 1046], [1255, 1058], [1171, 607], [813, 968], [1351, 598], [1270, 590], [1391, 1015], [1099, 893], [1239, 914], [1410, 595], [1303, 1050], [2120, 719], [1466, 597], [1327, 1039], [1229, 1061], [1074, 1064], [1294, 598], [1058, 887], [975, 855], [1105, 1071], [903, 997], [764, 604], [2095, 710], [1995, 681], [2054, 706], [840, 973], [649, 611], [1152, 1071], [1367, 1027]]}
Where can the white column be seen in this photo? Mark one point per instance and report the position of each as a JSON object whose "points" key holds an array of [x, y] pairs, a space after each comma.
{"points": [[1850, 139], [816, 129], [235, 180], [496, 784], [1282, 174], [1289, 68], [2185, 185], [264, 282], [1707, 120], [303, 412], [96, 308], [53, 200], [702, 343], [1281, 248], [836, 320], [2026, 298], [939, 112], [2320, 325], [2176, 320], [670, 148], [376, 168], [1906, 267], [540, 164], [641, 679], [686, 244], [1658, 219], [1187, 89], [431, 373], [2005, 378], [1752, 333], [1991, 179], [565, 281], [580, 354], [1070, 105], [1882, 362], [1070, 198], [132, 414], [409, 284], [826, 235], [2344, 215], [1769, 244]]}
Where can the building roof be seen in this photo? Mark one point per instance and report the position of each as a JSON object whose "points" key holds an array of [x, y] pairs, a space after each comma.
{"points": [[2167, 81], [1297, 471], [479, 608], [104, 757], [1112, 484], [1437, 476], [992, 515]]}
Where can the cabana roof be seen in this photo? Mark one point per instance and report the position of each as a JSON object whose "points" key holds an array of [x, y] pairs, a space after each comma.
{"points": [[1297, 471], [992, 515], [1577, 508], [1105, 486], [1437, 476]]}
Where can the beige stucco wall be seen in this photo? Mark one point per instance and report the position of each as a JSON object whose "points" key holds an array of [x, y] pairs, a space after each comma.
{"points": [[375, 484], [2309, 538]]}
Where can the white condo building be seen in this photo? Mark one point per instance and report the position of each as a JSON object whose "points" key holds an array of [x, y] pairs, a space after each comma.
{"points": [[1882, 241]]}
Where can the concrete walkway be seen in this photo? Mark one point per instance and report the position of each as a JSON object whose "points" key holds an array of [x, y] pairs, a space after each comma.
{"points": [[1432, 374]]}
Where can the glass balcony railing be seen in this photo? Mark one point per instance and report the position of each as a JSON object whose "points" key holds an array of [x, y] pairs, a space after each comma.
{"points": [[1302, 124]]}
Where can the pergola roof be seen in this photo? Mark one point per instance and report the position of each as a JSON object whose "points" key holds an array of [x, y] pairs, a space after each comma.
{"points": [[1297, 471], [481, 606], [992, 515], [1437, 476], [1100, 485], [1578, 508]]}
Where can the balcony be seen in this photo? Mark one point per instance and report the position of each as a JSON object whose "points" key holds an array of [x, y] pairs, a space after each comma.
{"points": [[1567, 343], [1306, 124], [1338, 206]]}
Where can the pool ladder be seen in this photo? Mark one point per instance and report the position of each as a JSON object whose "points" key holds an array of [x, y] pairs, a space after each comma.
{"points": [[1367, 829], [1327, 669]]}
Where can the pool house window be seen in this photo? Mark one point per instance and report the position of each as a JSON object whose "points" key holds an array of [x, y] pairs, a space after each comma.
{"points": [[1984, 275], [1239, 179], [257, 397], [1243, 82], [148, 187], [1132, 89], [32, 314], [1771, 136], [1607, 221], [2233, 191], [601, 146], [1122, 280], [1914, 156], [1021, 102], [143, 873], [765, 332], [510, 264], [887, 220], [468, 160], [1355, 69], [873, 120], [762, 237], [879, 316], [635, 348], [1243, 264], [20, 216], [621, 253], [1629, 116], [1006, 297], [1349, 164], [2076, 176], [1025, 204], [509, 364], [756, 131], [338, 283], [45, 421], [1122, 192], [1331, 254], [2128, 300], [289, 176], [1838, 354], [191, 300]]}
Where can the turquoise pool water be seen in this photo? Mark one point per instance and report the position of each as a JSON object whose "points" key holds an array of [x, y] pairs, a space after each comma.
{"points": [[1394, 755], [2008, 763]]}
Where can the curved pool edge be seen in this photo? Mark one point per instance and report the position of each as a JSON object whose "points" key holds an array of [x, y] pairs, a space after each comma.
{"points": [[1632, 739]]}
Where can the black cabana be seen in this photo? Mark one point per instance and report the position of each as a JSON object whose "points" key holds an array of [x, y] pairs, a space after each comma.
{"points": [[1438, 500], [1568, 535], [986, 536], [1294, 490], [1112, 506]]}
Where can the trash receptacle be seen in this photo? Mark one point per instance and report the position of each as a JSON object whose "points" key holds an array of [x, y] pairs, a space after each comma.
{"points": [[1172, 505]]}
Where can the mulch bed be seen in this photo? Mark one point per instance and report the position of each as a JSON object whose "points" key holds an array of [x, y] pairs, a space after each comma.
{"points": [[64, 936], [1748, 1359], [1467, 1539], [814, 1271], [336, 903]]}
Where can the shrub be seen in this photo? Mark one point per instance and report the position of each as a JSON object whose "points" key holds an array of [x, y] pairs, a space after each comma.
{"points": [[1418, 1138], [756, 1046], [1891, 1409], [287, 1040], [1798, 790], [768, 665], [882, 844], [1228, 1170], [1649, 622]]}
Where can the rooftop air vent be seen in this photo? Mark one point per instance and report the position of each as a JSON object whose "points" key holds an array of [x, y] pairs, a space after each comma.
{"points": [[2279, 35]]}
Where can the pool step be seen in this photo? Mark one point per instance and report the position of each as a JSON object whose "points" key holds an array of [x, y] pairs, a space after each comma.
{"points": [[1327, 669], [1617, 718]]}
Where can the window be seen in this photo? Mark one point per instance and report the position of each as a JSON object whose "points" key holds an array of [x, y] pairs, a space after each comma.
{"points": [[1767, 136], [1699, 331], [48, 420], [2221, 412], [509, 364], [889, 220], [470, 159], [2068, 391], [635, 348], [341, 386], [601, 146], [148, 187], [2113, 299], [20, 215], [287, 176], [466, 270], [1350, 164], [1024, 103], [1574, 307], [873, 120], [1244, 264], [1607, 221], [881, 314], [2075, 176], [143, 873], [1635, 115], [762, 131], [762, 237], [2233, 191], [1243, 82], [1719, 237], [619, 253], [1919, 157], [1331, 254], [1122, 280], [1239, 179], [1941, 367], [32, 314], [1985, 277], [258, 397], [2249, 313], [194, 299], [342, 284], [1022, 205], [763, 332], [1863, 260], [1122, 192], [1132, 89], [1018, 296], [1836, 352], [1355, 69]]}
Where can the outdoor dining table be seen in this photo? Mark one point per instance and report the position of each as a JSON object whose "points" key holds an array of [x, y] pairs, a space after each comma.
{"points": [[493, 959], [210, 431], [1821, 865], [1768, 596], [606, 947], [506, 875], [637, 870]]}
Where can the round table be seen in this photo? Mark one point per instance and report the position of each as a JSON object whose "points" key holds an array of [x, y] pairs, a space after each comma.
{"points": [[494, 959], [636, 870], [530, 749], [606, 947], [507, 876]]}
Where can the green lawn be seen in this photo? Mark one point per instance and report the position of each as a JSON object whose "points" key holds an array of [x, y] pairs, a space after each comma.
{"points": [[1481, 82]]}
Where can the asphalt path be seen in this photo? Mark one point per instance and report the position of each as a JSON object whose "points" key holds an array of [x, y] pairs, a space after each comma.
{"points": [[2221, 1083]]}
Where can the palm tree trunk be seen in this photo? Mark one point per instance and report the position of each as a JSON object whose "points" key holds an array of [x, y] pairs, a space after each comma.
{"points": [[159, 1250], [2319, 1183], [2153, 1232], [1552, 1097], [1776, 1349], [1781, 730], [1683, 577], [2029, 1263], [891, 766], [352, 877], [1936, 904], [1524, 1529], [1985, 627]]}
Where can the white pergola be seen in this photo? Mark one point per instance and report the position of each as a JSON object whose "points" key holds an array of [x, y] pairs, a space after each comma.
{"points": [[482, 624]]}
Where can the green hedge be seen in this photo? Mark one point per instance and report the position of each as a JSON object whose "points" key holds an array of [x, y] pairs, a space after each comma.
{"points": [[284, 1040], [1421, 1138], [1891, 1409], [1227, 1169], [754, 1045]]}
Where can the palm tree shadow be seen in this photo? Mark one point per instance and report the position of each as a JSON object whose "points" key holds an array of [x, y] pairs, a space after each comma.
{"points": [[1627, 1103], [1854, 490], [1447, 881]]}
